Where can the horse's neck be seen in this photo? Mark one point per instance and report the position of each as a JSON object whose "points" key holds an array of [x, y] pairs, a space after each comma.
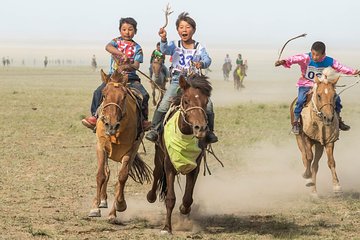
{"points": [[184, 127]]}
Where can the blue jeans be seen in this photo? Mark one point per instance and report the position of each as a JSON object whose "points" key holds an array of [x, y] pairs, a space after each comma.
{"points": [[302, 92], [172, 92], [97, 97]]}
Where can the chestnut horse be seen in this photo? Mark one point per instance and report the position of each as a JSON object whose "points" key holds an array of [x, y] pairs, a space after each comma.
{"points": [[190, 122], [320, 129], [160, 79], [118, 138]]}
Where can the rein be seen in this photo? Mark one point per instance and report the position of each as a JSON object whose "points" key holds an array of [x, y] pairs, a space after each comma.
{"points": [[318, 111]]}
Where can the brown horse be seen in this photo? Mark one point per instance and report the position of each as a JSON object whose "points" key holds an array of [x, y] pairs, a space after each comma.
{"points": [[320, 128], [226, 68], [189, 122], [160, 79], [118, 138]]}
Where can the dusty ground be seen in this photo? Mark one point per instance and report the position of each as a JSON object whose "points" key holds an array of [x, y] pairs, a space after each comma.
{"points": [[48, 167]]}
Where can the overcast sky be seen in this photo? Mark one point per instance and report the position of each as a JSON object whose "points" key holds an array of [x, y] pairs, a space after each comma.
{"points": [[219, 22]]}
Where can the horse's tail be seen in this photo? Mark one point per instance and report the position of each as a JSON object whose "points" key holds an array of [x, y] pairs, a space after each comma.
{"points": [[140, 171]]}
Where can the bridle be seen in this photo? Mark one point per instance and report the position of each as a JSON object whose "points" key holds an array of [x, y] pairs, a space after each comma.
{"points": [[122, 109], [184, 111], [315, 109]]}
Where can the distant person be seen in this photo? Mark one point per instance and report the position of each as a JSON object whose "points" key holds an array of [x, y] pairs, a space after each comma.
{"points": [[46, 61], [93, 63], [312, 64], [158, 54], [182, 52], [4, 61], [227, 59], [125, 49], [239, 61]]}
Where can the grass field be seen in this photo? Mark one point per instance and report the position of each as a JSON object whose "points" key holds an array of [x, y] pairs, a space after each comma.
{"points": [[48, 168]]}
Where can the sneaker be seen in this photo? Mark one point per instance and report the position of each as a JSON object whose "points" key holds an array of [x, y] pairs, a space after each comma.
{"points": [[343, 126], [211, 137], [295, 128], [146, 125], [152, 135], [89, 122]]}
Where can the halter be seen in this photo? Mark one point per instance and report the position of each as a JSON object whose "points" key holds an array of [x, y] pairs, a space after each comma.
{"points": [[183, 112]]}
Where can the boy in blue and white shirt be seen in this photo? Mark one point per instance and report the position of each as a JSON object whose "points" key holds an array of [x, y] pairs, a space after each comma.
{"points": [[183, 52]]}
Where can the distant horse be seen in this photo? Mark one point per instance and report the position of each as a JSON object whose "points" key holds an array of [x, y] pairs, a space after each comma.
{"points": [[239, 75], [160, 78], [226, 68], [181, 148], [320, 128], [118, 137]]}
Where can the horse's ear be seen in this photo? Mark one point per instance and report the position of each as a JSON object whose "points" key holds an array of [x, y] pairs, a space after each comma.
{"points": [[336, 80], [316, 79], [104, 76], [183, 83]]}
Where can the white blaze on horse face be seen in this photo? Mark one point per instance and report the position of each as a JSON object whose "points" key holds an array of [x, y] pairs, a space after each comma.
{"points": [[326, 91], [197, 96]]}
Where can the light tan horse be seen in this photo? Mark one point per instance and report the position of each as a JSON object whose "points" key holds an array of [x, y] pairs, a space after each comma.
{"points": [[320, 129], [118, 138], [239, 75]]}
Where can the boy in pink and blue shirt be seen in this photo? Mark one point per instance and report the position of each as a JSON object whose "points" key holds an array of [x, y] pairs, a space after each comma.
{"points": [[312, 64]]}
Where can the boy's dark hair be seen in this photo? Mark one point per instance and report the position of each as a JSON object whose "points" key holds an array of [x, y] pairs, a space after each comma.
{"points": [[184, 16], [128, 20], [319, 47], [158, 44]]}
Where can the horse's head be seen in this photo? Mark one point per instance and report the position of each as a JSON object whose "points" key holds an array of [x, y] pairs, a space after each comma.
{"points": [[196, 92], [113, 105], [156, 66], [324, 95]]}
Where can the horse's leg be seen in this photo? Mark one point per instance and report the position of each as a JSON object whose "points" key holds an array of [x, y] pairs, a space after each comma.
{"points": [[153, 94], [100, 180], [319, 149], [191, 177], [331, 163], [157, 174], [305, 146], [103, 194], [170, 198], [119, 201]]}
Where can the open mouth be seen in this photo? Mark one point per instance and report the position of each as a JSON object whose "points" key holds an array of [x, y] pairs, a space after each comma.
{"points": [[184, 35]]}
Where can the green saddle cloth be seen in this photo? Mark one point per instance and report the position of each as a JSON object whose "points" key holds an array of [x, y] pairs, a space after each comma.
{"points": [[182, 149]]}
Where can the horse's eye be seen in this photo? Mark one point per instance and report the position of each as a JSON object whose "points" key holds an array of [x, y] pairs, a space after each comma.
{"points": [[186, 101], [319, 97]]}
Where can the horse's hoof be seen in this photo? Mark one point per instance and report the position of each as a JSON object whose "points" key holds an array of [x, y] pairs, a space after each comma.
{"points": [[165, 232], [337, 190], [184, 210], [103, 204], [309, 182], [113, 220], [120, 206], [151, 197], [95, 212]]}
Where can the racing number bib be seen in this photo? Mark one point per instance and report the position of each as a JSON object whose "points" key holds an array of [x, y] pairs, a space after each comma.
{"points": [[311, 72]]}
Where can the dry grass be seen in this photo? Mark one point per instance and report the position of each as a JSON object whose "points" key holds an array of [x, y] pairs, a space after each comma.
{"points": [[48, 166]]}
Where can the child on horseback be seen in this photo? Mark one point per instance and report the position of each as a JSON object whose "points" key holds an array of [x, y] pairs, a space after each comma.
{"points": [[158, 54], [312, 64], [125, 49], [183, 53]]}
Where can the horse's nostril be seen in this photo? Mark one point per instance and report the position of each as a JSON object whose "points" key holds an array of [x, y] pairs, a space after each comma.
{"points": [[196, 127], [117, 126]]}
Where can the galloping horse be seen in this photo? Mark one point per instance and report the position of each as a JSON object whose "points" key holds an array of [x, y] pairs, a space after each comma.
{"points": [[320, 129], [181, 148], [118, 138], [239, 75], [160, 78], [226, 68]]}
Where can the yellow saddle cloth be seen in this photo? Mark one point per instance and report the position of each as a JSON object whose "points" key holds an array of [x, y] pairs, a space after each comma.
{"points": [[182, 149]]}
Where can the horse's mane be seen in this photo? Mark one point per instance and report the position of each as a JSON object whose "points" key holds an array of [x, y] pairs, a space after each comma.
{"points": [[329, 75], [201, 83], [198, 82]]}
